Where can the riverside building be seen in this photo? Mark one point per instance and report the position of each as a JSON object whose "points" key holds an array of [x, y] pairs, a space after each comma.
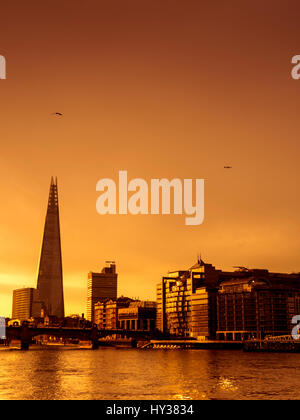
{"points": [[106, 313], [186, 302], [125, 313], [256, 303], [206, 303], [139, 315]]}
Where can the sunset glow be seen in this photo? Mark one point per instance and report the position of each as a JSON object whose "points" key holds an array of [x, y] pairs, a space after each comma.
{"points": [[150, 87]]}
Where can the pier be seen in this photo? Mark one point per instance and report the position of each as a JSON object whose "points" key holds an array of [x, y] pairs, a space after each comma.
{"points": [[193, 344], [280, 344]]}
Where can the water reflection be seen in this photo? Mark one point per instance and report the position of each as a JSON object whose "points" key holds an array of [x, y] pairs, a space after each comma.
{"points": [[227, 384], [149, 374], [45, 364]]}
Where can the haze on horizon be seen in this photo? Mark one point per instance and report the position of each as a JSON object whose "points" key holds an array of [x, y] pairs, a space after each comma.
{"points": [[160, 89]]}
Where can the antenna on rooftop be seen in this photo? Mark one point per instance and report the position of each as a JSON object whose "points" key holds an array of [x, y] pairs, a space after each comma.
{"points": [[240, 268]]}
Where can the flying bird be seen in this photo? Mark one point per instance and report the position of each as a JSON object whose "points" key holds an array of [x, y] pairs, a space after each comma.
{"points": [[59, 114], [227, 167]]}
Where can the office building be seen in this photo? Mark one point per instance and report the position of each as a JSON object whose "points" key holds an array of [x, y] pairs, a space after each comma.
{"points": [[186, 302], [26, 304], [254, 303], [101, 287], [206, 303]]}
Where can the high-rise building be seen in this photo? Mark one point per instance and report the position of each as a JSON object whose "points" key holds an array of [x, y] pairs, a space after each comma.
{"points": [[101, 287], [50, 277], [26, 304], [186, 302]]}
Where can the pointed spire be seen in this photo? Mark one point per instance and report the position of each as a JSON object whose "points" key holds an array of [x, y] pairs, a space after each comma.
{"points": [[53, 194], [50, 279]]}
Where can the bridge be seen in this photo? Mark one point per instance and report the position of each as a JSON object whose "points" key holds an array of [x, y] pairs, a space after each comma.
{"points": [[26, 333]]}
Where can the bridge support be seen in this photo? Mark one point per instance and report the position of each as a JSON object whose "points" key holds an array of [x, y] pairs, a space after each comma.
{"points": [[95, 345], [25, 336], [94, 337], [24, 345]]}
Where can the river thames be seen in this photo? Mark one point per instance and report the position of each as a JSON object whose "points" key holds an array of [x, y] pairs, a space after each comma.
{"points": [[129, 374]]}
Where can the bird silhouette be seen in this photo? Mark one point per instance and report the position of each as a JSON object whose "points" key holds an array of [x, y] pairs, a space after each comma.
{"points": [[227, 167], [59, 114]]}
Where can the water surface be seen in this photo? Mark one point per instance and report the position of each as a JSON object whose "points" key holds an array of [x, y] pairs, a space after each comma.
{"points": [[111, 373]]}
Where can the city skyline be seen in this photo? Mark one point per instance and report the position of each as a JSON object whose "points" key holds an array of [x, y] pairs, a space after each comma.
{"points": [[53, 206], [154, 89]]}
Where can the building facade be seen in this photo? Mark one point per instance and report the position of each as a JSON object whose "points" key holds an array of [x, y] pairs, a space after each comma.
{"points": [[26, 304], [186, 302], [106, 313], [125, 313], [256, 303], [101, 287], [139, 315], [206, 303]]}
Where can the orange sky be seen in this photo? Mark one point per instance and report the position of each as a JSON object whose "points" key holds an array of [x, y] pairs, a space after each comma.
{"points": [[160, 89]]}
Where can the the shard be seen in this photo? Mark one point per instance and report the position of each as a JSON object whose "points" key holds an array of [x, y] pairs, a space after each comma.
{"points": [[50, 277]]}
